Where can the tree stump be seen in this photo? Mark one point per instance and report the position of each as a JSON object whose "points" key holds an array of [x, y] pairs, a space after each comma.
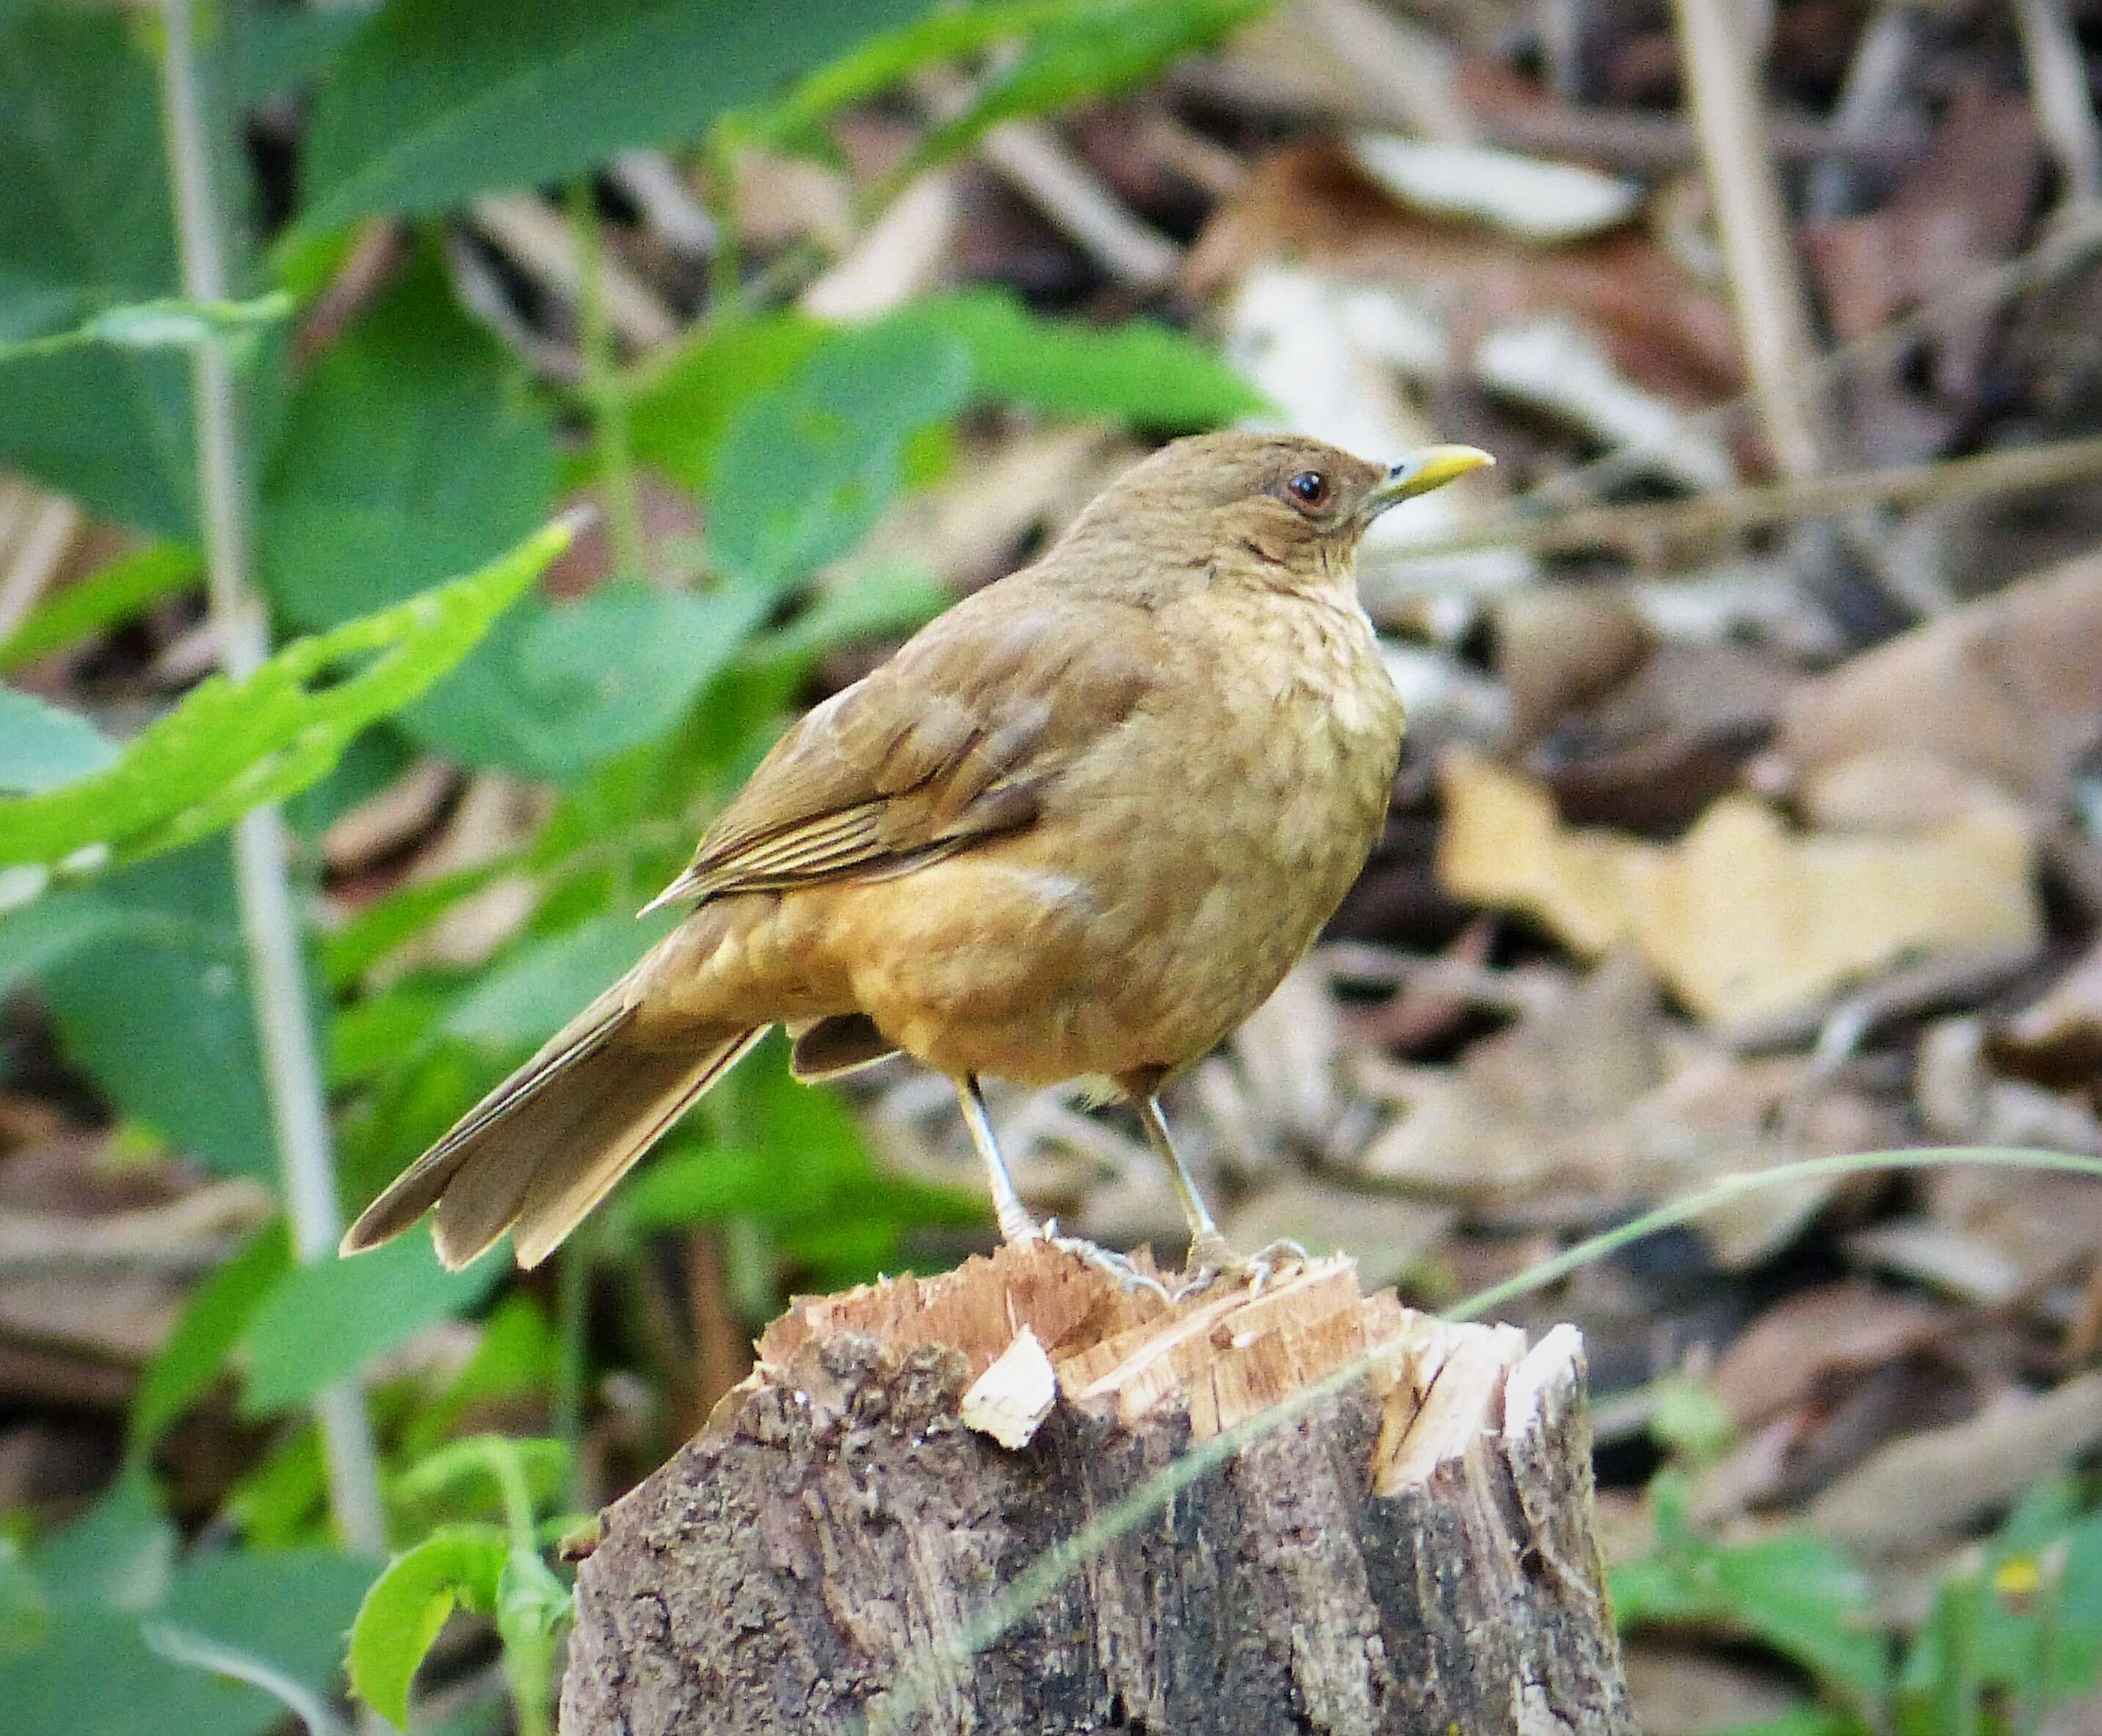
{"points": [[1412, 1553]]}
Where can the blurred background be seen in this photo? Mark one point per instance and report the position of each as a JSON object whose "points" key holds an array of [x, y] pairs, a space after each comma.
{"points": [[1751, 810]]}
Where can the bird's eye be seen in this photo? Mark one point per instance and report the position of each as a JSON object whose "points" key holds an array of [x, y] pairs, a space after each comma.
{"points": [[1310, 488]]}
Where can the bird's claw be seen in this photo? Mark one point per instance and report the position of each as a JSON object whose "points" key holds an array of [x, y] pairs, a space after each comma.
{"points": [[1119, 1266], [1212, 1262]]}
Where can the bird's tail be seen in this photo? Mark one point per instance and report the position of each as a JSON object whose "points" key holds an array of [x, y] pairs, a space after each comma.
{"points": [[547, 1145]]}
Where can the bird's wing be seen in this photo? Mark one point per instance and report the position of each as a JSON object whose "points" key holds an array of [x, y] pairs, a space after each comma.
{"points": [[954, 740]]}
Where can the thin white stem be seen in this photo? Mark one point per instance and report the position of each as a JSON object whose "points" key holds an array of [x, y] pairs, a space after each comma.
{"points": [[269, 924]]}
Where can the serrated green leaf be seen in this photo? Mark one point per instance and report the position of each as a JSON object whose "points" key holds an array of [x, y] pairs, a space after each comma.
{"points": [[325, 1322], [229, 745], [437, 101], [456, 1567], [43, 747], [194, 1354], [110, 596], [806, 470]]}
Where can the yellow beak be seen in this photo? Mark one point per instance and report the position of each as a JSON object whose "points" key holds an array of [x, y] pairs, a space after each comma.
{"points": [[1421, 472]]}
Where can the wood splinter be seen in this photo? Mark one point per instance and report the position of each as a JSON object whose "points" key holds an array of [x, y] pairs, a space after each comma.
{"points": [[1414, 1554]]}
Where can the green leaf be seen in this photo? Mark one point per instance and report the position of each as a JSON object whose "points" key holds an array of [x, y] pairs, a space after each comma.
{"points": [[806, 470], [211, 1323], [617, 669], [280, 50], [890, 598], [42, 747], [229, 745], [456, 1567], [531, 1606], [84, 222], [477, 1469], [288, 1609], [106, 598], [409, 453], [682, 402], [1102, 49], [325, 1322], [1806, 1598], [525, 1000], [1799, 1593], [118, 1555], [1801, 1720], [50, 931], [151, 1002], [1139, 371], [396, 917], [437, 101], [885, 60], [101, 1652]]}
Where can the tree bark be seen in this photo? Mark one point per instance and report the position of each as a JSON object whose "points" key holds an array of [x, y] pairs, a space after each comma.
{"points": [[1412, 1553]]}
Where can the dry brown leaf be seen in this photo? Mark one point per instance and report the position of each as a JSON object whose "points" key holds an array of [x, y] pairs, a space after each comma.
{"points": [[1558, 646], [1310, 201], [1652, 752], [1931, 1486], [2057, 1038], [1721, 1113], [1749, 924], [1793, 1351], [2010, 687], [1676, 1692], [1595, 1102], [1963, 208], [1538, 1112]]}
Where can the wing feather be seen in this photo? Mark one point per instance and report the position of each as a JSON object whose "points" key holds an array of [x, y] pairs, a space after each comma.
{"points": [[954, 740]]}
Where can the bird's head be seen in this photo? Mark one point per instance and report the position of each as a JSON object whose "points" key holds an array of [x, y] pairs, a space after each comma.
{"points": [[1281, 508]]}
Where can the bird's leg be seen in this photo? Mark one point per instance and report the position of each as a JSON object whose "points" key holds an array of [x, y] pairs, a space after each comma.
{"points": [[1016, 1225], [1210, 1259]]}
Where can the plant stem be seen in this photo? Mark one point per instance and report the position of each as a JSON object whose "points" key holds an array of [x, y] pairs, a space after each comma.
{"points": [[603, 390], [269, 924]]}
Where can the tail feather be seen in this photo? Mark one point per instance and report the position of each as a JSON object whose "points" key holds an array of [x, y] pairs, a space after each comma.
{"points": [[560, 1195], [544, 1147]]}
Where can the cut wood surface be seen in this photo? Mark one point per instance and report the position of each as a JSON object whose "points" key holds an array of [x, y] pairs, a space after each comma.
{"points": [[1413, 1552]]}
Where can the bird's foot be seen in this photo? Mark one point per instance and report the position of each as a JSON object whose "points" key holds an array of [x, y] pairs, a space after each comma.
{"points": [[1212, 1262], [1121, 1267]]}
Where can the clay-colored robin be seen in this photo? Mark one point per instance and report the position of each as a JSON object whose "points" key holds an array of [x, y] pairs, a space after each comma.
{"points": [[1080, 825]]}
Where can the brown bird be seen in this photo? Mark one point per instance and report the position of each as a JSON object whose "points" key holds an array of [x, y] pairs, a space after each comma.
{"points": [[1081, 825]]}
